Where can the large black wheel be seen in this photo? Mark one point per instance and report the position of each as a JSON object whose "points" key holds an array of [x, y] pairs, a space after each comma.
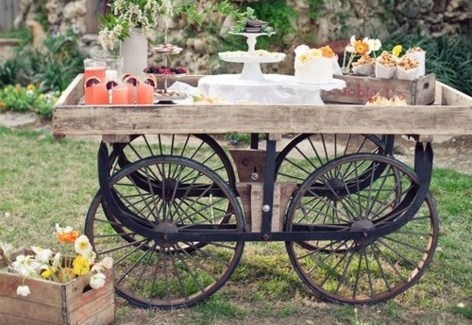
{"points": [[167, 274], [374, 268], [307, 152]]}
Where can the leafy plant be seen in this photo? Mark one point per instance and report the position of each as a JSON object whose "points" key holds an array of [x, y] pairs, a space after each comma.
{"points": [[23, 99]]}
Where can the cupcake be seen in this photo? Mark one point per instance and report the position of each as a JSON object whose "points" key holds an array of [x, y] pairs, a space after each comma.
{"points": [[364, 66], [385, 66], [418, 54], [407, 68]]}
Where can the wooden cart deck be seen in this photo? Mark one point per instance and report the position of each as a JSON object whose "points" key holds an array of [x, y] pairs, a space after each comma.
{"points": [[451, 114]]}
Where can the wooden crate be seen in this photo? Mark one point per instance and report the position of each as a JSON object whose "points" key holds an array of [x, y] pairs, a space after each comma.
{"points": [[359, 89], [74, 302]]}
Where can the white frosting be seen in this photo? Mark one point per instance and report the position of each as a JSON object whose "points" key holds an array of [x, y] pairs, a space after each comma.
{"points": [[314, 71], [311, 67]]}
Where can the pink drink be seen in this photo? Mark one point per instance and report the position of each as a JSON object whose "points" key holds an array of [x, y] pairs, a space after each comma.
{"points": [[120, 95], [145, 94], [98, 72], [96, 95]]}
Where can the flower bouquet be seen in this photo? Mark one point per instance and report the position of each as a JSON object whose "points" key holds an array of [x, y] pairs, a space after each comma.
{"points": [[361, 49], [39, 285]]}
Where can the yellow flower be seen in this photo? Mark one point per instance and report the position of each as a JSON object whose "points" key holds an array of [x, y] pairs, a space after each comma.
{"points": [[397, 50], [48, 272], [81, 265], [303, 58], [316, 53], [31, 87]]}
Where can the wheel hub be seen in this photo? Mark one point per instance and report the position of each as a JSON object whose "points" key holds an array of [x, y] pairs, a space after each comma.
{"points": [[166, 228], [364, 226]]}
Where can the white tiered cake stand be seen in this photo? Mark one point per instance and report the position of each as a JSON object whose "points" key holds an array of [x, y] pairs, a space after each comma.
{"points": [[252, 62]]}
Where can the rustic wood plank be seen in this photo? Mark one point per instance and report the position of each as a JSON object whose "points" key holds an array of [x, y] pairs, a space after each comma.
{"points": [[43, 292], [19, 320], [30, 309], [451, 96], [73, 93], [440, 120]]}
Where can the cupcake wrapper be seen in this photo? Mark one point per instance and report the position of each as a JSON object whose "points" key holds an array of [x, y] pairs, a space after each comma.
{"points": [[384, 72], [364, 69], [408, 74], [421, 58]]}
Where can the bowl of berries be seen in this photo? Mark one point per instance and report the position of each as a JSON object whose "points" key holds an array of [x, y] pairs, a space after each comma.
{"points": [[165, 70]]}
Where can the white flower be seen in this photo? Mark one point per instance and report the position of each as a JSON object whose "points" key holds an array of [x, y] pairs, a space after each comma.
{"points": [[300, 49], [97, 280], [90, 257], [107, 262], [82, 245], [65, 230], [42, 255], [23, 291], [56, 262], [461, 305], [374, 44]]}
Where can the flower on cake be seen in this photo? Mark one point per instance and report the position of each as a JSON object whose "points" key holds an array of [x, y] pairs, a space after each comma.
{"points": [[359, 48], [303, 53], [44, 264]]}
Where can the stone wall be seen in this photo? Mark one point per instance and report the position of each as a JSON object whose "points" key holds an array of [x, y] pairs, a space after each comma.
{"points": [[335, 20]]}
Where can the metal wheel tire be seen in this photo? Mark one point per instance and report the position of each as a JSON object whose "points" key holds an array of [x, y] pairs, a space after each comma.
{"points": [[369, 270], [165, 274]]}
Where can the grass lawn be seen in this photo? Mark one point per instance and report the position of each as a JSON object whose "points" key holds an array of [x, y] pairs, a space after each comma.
{"points": [[43, 182]]}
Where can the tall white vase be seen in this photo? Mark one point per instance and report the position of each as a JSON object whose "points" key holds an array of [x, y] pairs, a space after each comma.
{"points": [[134, 50]]}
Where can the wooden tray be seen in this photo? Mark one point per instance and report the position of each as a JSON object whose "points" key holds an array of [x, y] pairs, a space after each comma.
{"points": [[451, 114]]}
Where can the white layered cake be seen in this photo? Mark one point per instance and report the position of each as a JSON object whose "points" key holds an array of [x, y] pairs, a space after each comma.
{"points": [[314, 66]]}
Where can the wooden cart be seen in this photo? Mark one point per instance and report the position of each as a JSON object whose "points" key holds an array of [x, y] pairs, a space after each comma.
{"points": [[359, 225]]}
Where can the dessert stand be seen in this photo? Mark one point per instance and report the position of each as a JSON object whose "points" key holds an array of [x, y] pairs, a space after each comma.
{"points": [[252, 62]]}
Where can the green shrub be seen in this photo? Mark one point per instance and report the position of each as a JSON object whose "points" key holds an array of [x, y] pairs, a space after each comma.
{"points": [[449, 57], [22, 99]]}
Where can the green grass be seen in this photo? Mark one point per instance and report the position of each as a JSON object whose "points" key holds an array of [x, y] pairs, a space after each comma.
{"points": [[43, 182]]}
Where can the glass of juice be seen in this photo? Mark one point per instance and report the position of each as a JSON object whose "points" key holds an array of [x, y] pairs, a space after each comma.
{"points": [[94, 68]]}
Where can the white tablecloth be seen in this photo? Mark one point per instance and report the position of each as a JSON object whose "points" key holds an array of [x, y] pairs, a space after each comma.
{"points": [[275, 89]]}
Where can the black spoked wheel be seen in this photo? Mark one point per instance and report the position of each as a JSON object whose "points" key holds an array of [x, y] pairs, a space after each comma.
{"points": [[181, 193], [374, 268], [198, 147], [307, 152]]}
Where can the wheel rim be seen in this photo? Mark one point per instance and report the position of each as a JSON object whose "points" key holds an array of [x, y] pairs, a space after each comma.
{"points": [[307, 152], [370, 270], [167, 274]]}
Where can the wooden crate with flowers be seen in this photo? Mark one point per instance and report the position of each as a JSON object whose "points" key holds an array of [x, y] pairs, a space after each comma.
{"points": [[389, 74], [38, 286]]}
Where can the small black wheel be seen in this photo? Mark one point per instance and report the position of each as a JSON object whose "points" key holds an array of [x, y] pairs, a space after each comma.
{"points": [[376, 268], [167, 274], [307, 152]]}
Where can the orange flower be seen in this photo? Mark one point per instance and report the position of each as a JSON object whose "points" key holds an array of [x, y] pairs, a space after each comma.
{"points": [[361, 47], [68, 237], [327, 51]]}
